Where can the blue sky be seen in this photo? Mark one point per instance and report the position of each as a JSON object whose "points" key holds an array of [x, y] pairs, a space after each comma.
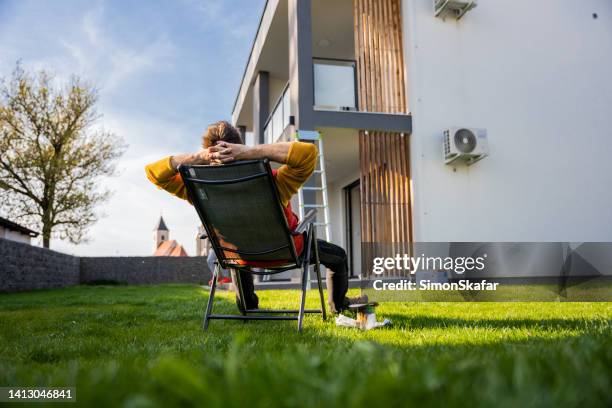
{"points": [[164, 70]]}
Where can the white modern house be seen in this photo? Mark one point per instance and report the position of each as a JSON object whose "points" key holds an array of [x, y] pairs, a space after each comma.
{"points": [[522, 86]]}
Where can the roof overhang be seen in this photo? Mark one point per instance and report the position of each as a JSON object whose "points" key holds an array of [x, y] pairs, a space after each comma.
{"points": [[265, 23], [10, 225]]}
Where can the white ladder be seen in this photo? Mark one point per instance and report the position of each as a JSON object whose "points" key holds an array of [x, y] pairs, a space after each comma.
{"points": [[319, 186]]}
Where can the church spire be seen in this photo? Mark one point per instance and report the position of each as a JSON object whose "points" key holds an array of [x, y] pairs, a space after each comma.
{"points": [[161, 233], [161, 225]]}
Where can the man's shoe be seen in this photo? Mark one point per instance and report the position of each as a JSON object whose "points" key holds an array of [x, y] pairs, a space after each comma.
{"points": [[357, 300]]}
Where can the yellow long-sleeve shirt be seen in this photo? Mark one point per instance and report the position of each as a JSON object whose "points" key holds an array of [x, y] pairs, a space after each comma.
{"points": [[300, 163]]}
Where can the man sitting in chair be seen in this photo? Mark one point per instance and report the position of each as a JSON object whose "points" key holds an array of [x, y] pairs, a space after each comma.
{"points": [[222, 144]]}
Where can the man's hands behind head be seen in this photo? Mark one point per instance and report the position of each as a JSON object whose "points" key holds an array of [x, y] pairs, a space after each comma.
{"points": [[224, 152], [200, 157], [220, 153]]}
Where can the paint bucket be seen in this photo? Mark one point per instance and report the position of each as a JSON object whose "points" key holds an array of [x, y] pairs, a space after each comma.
{"points": [[366, 317]]}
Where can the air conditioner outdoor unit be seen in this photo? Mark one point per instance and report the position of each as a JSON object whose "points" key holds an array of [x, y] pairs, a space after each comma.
{"points": [[456, 7], [466, 144]]}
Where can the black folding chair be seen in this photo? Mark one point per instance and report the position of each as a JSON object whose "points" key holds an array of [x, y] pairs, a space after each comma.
{"points": [[239, 206]]}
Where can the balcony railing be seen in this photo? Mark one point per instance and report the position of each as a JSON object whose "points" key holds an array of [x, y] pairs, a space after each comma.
{"points": [[335, 84], [278, 119]]}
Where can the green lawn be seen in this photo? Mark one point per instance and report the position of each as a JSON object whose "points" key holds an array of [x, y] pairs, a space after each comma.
{"points": [[141, 346]]}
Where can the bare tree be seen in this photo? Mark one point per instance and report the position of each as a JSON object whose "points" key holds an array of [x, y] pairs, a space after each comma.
{"points": [[51, 157]]}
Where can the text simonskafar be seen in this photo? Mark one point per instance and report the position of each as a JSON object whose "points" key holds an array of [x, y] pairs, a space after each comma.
{"points": [[463, 284]]}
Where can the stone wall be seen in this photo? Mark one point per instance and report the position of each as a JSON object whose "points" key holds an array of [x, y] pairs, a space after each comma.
{"points": [[26, 267], [145, 270]]}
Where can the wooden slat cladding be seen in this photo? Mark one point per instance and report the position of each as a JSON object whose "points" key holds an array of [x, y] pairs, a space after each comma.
{"points": [[385, 195], [379, 55], [384, 156]]}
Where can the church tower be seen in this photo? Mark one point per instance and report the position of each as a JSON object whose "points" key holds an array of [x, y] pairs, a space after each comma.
{"points": [[161, 232]]}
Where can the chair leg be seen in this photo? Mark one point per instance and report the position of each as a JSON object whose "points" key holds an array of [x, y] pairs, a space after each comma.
{"points": [[305, 266], [303, 300], [211, 297], [317, 268]]}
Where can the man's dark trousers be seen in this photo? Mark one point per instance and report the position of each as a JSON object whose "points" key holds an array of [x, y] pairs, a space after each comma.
{"points": [[331, 256]]}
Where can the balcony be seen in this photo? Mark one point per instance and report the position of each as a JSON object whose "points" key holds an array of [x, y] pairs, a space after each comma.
{"points": [[335, 84], [279, 118], [338, 79]]}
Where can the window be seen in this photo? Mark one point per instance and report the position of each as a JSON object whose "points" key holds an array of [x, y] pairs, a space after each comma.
{"points": [[334, 84]]}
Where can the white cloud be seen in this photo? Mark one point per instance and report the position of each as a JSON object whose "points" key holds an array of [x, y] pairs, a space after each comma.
{"points": [[99, 54], [214, 15]]}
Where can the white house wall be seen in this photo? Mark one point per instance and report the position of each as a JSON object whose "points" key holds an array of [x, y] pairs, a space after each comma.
{"points": [[14, 236], [536, 75], [337, 208], [341, 151]]}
